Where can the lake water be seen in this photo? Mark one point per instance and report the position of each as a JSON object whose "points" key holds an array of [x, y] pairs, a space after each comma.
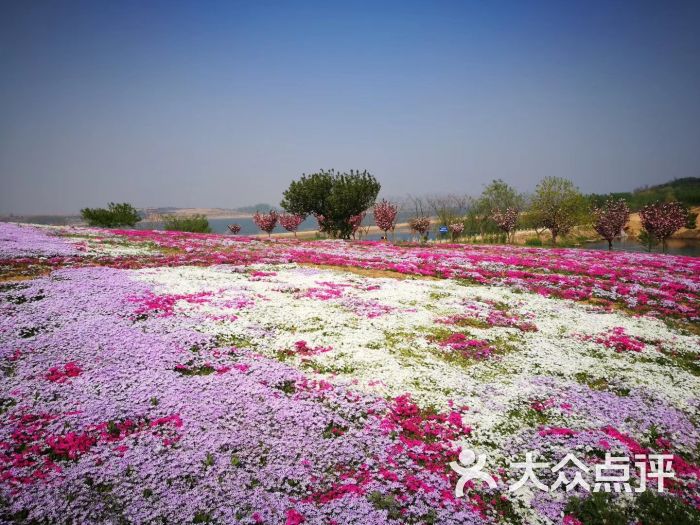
{"points": [[248, 227], [690, 247], [675, 246]]}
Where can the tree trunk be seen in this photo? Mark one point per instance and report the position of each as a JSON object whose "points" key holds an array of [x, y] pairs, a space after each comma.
{"points": [[610, 245]]}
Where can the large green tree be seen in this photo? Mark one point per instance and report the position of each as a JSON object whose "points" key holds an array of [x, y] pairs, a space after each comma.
{"points": [[333, 198], [497, 197], [500, 195], [114, 215], [558, 206]]}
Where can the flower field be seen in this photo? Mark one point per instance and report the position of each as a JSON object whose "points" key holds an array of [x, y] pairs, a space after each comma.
{"points": [[164, 377]]}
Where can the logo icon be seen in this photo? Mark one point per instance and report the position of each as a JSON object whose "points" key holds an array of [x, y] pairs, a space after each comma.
{"points": [[467, 472]]}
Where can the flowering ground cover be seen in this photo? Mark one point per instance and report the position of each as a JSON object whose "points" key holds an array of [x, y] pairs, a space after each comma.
{"points": [[163, 377]]}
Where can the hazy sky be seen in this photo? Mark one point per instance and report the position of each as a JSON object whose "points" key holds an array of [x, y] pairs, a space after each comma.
{"points": [[223, 103]]}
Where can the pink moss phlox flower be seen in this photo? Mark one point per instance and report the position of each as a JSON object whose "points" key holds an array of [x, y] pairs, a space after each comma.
{"points": [[556, 431], [294, 518], [619, 341], [61, 375]]}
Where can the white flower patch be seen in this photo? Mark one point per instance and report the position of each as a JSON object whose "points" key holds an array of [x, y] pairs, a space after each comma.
{"points": [[387, 351]]}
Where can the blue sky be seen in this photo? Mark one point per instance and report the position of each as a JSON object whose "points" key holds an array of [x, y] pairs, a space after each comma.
{"points": [[223, 103]]}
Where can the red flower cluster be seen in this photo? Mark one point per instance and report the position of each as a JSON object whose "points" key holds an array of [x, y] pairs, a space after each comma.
{"points": [[58, 375], [32, 452], [618, 340], [303, 348]]}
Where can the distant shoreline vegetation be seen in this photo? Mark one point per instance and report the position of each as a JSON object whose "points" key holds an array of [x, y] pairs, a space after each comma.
{"points": [[188, 223], [685, 190], [556, 210]]}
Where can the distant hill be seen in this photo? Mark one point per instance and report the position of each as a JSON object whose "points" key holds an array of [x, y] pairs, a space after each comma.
{"points": [[262, 208], [685, 190]]}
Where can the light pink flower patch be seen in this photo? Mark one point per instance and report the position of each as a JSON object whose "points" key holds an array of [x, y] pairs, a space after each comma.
{"points": [[164, 305], [540, 406], [367, 307], [238, 303], [325, 291], [488, 313], [259, 275], [472, 348]]}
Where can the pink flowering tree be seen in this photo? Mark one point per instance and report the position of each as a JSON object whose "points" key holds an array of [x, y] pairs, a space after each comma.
{"points": [[609, 219], [420, 225], [234, 228], [322, 222], [662, 219], [356, 222], [266, 221], [385, 215], [456, 229], [291, 221], [506, 221]]}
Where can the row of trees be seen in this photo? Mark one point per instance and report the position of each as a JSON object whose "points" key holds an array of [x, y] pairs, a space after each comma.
{"points": [[340, 202], [556, 206]]}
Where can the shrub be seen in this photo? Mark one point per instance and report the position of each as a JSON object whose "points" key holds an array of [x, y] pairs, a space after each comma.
{"points": [[187, 223], [420, 225], [456, 229], [123, 214], [648, 507], [647, 240], [533, 241]]}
